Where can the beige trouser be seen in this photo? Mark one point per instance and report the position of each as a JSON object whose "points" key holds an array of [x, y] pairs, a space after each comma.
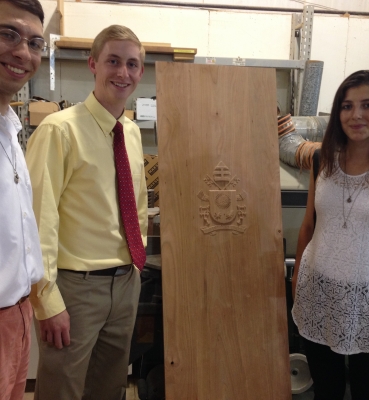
{"points": [[102, 313]]}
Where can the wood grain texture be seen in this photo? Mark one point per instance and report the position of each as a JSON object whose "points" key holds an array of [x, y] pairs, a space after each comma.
{"points": [[60, 10], [225, 323]]}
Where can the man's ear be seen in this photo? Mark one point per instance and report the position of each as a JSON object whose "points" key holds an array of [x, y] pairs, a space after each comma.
{"points": [[142, 71], [92, 65]]}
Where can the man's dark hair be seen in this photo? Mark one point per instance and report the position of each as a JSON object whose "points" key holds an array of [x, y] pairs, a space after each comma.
{"points": [[32, 6]]}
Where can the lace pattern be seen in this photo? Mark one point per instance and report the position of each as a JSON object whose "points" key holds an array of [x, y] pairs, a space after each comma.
{"points": [[332, 296]]}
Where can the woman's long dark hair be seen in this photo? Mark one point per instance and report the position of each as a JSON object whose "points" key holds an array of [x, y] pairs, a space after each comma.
{"points": [[335, 139]]}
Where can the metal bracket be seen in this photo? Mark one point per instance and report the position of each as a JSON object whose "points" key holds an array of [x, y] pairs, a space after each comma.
{"points": [[300, 49], [23, 97], [53, 39]]}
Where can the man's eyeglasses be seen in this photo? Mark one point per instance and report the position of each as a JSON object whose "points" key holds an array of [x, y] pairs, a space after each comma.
{"points": [[12, 38]]}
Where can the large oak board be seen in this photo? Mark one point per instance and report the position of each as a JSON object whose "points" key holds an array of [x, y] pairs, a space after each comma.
{"points": [[225, 329]]}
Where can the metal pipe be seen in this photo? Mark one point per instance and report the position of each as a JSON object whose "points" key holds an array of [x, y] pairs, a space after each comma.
{"points": [[311, 128], [288, 146], [234, 7], [307, 129]]}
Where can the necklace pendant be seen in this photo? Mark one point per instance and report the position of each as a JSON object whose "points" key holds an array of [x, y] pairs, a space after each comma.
{"points": [[344, 226], [349, 200], [16, 177]]}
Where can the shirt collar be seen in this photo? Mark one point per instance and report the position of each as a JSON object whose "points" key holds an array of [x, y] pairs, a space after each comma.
{"points": [[101, 115], [10, 121]]}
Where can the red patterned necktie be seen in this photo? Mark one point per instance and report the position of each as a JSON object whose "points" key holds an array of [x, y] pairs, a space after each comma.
{"points": [[126, 196]]}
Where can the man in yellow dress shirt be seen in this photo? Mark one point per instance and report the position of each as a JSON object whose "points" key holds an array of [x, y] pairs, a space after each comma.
{"points": [[87, 301]]}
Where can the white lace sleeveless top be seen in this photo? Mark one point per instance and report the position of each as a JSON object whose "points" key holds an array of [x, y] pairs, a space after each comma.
{"points": [[332, 297]]}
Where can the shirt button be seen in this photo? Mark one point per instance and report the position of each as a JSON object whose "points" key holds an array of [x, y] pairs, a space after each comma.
{"points": [[24, 215], [28, 250]]}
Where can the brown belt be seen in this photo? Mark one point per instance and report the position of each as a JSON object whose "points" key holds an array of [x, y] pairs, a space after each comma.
{"points": [[20, 301]]}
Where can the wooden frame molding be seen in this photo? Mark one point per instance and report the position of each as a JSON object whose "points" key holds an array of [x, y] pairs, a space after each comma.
{"points": [[179, 53]]}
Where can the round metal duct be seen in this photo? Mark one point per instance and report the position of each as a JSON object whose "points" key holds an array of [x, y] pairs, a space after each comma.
{"points": [[300, 374]]}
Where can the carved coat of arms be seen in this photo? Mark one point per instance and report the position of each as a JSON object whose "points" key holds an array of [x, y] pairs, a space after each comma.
{"points": [[222, 211]]}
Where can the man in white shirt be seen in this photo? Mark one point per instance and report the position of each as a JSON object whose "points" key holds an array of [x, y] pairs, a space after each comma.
{"points": [[21, 44]]}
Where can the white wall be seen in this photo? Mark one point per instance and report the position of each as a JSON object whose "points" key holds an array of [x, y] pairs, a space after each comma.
{"points": [[340, 41]]}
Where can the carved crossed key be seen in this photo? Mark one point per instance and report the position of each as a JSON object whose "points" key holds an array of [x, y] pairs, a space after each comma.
{"points": [[222, 211]]}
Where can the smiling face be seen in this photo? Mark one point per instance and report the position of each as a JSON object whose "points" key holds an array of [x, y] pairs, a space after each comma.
{"points": [[117, 71], [354, 114], [17, 64]]}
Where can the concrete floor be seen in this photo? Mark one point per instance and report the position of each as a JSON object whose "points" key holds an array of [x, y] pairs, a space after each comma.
{"points": [[131, 393]]}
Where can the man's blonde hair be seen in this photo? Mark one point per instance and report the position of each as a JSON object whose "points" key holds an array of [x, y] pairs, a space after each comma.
{"points": [[115, 32]]}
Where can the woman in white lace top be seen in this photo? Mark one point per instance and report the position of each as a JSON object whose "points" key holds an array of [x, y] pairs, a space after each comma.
{"points": [[331, 277]]}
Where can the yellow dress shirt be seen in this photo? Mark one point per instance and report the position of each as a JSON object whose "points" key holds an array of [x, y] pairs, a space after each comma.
{"points": [[71, 163]]}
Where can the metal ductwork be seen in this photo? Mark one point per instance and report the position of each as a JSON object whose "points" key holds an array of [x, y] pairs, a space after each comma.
{"points": [[310, 128], [298, 139], [299, 136]]}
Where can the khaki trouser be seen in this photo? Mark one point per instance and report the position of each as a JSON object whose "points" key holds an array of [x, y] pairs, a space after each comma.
{"points": [[102, 312]]}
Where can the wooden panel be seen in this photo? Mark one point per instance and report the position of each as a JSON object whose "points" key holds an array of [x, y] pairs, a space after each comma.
{"points": [[225, 323], [86, 43]]}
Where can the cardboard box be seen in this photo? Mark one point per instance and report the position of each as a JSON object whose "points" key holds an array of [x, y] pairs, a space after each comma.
{"points": [[38, 110], [152, 175], [129, 114], [145, 109]]}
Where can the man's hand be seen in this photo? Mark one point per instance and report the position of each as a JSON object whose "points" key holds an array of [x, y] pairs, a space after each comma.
{"points": [[55, 330]]}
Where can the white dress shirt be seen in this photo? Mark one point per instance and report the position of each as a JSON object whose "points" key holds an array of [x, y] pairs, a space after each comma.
{"points": [[20, 254]]}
